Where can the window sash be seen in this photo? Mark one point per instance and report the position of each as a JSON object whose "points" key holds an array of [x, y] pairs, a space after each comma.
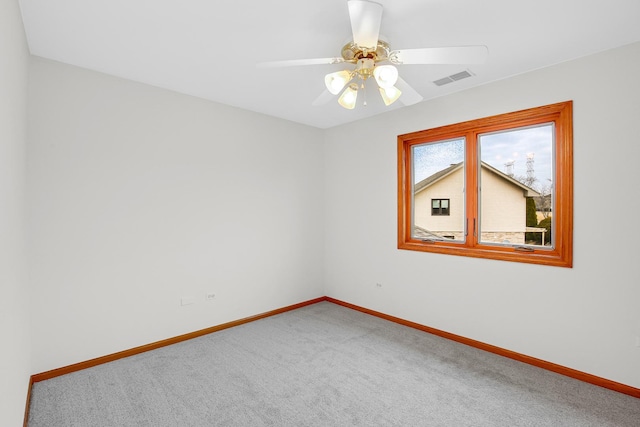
{"points": [[561, 254]]}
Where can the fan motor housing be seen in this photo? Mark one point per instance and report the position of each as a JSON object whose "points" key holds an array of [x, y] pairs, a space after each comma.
{"points": [[352, 52]]}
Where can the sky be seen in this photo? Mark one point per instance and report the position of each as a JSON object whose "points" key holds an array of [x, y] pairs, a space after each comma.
{"points": [[496, 149], [500, 148]]}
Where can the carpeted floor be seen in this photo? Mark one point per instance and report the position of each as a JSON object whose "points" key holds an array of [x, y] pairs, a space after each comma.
{"points": [[323, 365]]}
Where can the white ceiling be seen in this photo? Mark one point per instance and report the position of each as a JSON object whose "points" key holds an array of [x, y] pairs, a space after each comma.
{"points": [[210, 48]]}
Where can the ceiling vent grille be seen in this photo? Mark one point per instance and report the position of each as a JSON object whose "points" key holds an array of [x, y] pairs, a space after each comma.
{"points": [[453, 78]]}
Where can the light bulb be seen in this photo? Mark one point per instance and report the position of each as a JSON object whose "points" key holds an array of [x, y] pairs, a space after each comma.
{"points": [[390, 94], [349, 97], [386, 75], [336, 81]]}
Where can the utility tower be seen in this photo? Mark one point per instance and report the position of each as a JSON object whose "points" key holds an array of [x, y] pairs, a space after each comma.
{"points": [[508, 167], [531, 176]]}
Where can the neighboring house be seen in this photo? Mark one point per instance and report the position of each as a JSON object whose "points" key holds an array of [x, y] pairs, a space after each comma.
{"points": [[439, 206], [543, 206]]}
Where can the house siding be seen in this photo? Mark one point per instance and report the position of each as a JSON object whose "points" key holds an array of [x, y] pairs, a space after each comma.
{"points": [[450, 188], [503, 208]]}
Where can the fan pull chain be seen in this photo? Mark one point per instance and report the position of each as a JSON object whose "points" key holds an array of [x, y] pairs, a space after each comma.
{"points": [[364, 89]]}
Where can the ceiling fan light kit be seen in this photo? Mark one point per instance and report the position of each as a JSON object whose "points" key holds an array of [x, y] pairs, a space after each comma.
{"points": [[349, 97], [385, 76], [335, 82], [373, 58], [390, 94]]}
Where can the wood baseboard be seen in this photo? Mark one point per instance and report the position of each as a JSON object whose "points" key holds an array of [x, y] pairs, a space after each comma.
{"points": [[559, 369], [148, 347], [26, 407], [572, 373], [163, 343]]}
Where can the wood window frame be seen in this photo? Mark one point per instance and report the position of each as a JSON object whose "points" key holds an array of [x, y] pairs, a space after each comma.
{"points": [[561, 255]]}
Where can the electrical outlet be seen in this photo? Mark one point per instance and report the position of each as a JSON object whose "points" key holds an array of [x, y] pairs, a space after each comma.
{"points": [[210, 296], [187, 300]]}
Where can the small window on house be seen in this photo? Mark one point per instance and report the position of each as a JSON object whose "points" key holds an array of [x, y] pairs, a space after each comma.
{"points": [[439, 206], [510, 178]]}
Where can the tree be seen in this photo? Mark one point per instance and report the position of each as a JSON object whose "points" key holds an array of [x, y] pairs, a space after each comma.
{"points": [[532, 221], [546, 223], [544, 204], [529, 181]]}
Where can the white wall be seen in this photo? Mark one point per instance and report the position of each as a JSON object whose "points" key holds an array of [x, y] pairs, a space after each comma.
{"points": [[586, 318], [15, 366], [140, 196]]}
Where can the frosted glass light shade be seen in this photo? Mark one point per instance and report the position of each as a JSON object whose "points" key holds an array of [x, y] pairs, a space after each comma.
{"points": [[336, 81], [385, 75], [349, 97], [390, 94]]}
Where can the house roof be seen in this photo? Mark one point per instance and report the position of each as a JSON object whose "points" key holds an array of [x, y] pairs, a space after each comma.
{"points": [[438, 176], [430, 180]]}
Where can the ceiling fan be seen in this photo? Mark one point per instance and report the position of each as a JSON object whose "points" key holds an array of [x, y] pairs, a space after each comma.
{"points": [[373, 57]]}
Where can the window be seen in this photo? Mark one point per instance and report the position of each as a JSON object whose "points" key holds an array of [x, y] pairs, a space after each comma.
{"points": [[500, 187], [439, 206]]}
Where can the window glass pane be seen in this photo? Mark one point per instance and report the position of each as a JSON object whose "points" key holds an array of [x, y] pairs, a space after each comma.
{"points": [[514, 200], [438, 173], [516, 183]]}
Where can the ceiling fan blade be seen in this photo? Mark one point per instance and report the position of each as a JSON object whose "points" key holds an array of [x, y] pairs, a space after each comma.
{"points": [[440, 55], [409, 95], [365, 22], [298, 62], [323, 98]]}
